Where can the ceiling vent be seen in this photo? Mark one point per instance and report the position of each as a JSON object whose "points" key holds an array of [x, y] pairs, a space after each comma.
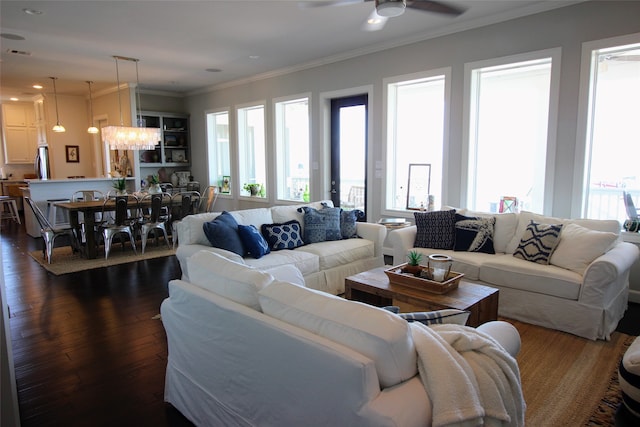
{"points": [[18, 52]]}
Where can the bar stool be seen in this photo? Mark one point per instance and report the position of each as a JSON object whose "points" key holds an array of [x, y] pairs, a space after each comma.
{"points": [[52, 212], [9, 209]]}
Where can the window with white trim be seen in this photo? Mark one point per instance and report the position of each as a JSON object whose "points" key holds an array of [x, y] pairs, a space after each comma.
{"points": [[416, 110], [219, 151], [252, 150], [611, 129], [292, 149], [508, 143]]}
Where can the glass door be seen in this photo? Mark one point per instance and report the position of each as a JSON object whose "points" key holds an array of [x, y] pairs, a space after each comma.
{"points": [[349, 152]]}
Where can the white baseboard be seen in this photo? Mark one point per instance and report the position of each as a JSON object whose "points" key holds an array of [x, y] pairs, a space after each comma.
{"points": [[634, 296]]}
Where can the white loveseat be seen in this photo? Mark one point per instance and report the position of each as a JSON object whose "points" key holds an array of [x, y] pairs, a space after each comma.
{"points": [[324, 265], [249, 348], [583, 290]]}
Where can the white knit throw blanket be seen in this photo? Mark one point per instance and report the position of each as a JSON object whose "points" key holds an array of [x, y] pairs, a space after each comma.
{"points": [[471, 380]]}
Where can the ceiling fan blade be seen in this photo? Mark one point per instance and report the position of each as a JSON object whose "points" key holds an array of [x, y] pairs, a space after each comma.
{"points": [[436, 6], [325, 3]]}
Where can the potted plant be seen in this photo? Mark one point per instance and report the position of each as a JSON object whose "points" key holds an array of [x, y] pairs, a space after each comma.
{"points": [[154, 184], [120, 184], [413, 263], [252, 188]]}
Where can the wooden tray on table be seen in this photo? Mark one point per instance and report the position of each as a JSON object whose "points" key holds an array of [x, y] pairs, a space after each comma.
{"points": [[397, 277]]}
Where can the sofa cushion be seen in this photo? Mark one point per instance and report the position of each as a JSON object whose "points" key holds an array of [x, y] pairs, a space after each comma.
{"points": [[579, 246], [283, 235], [336, 253], [253, 242], [255, 217], [306, 262], [376, 333], [321, 224], [190, 228], [524, 219], [474, 234], [222, 232], [286, 273], [435, 229], [510, 272], [348, 219], [238, 282], [538, 242]]}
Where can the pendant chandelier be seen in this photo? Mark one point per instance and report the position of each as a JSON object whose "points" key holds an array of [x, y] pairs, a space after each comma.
{"points": [[125, 137], [58, 128], [92, 128]]}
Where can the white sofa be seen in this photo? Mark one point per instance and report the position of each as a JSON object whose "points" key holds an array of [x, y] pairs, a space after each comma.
{"points": [[248, 349], [324, 265], [583, 290]]}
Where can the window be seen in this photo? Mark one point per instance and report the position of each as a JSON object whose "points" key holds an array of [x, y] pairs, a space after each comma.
{"points": [[416, 113], [508, 132], [252, 149], [292, 149], [219, 148], [611, 130]]}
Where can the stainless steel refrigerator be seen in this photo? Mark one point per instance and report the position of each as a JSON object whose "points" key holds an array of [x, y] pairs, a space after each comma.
{"points": [[42, 169]]}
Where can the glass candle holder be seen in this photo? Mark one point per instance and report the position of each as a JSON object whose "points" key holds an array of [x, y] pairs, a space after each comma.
{"points": [[441, 265]]}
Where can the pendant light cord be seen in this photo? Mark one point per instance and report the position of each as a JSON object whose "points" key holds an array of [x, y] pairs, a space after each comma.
{"points": [[119, 100], [55, 96], [138, 111]]}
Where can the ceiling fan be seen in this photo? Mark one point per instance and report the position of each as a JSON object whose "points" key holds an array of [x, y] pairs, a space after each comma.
{"points": [[385, 9]]}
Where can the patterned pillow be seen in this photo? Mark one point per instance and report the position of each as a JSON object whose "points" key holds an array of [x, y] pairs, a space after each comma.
{"points": [[538, 242], [474, 234], [321, 225], [348, 221], [438, 317], [222, 232], [253, 241], [282, 236], [435, 230]]}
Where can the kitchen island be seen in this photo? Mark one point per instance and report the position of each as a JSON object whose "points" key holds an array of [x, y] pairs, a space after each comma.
{"points": [[42, 190]]}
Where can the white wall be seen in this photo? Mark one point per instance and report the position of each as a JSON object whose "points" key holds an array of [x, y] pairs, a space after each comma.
{"points": [[566, 28]]}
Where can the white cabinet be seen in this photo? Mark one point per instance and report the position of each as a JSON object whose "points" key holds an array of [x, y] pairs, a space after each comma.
{"points": [[172, 153], [21, 132]]}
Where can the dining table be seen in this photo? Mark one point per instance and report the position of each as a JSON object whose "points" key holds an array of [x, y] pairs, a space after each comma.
{"points": [[89, 208]]}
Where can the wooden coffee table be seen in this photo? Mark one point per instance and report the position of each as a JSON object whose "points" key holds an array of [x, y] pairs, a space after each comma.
{"points": [[373, 287]]}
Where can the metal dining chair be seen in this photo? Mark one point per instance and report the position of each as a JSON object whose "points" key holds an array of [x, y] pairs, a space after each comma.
{"points": [[183, 204], [154, 218], [50, 232], [87, 195], [209, 197], [118, 220]]}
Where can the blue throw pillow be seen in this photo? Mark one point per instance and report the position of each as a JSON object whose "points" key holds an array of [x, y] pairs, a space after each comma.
{"points": [[321, 225], [474, 234], [222, 232], [253, 241], [538, 242], [348, 221], [282, 236]]}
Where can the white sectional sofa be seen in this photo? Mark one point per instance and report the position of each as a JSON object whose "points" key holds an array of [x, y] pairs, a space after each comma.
{"points": [[583, 290], [250, 348], [324, 265]]}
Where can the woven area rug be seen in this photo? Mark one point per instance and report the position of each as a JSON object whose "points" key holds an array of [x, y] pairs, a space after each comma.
{"points": [[65, 261], [567, 380]]}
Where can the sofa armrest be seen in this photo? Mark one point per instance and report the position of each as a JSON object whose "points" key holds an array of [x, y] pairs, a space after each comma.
{"points": [[608, 274], [402, 240], [374, 232]]}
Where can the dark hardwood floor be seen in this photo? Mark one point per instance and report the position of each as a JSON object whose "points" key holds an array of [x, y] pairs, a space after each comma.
{"points": [[87, 350]]}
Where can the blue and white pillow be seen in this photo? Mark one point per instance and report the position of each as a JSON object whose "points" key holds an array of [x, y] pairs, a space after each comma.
{"points": [[435, 230], [538, 242], [348, 221], [282, 236], [253, 242], [438, 317], [321, 225], [474, 234]]}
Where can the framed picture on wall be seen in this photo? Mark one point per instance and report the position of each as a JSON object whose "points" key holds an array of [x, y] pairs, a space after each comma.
{"points": [[73, 153]]}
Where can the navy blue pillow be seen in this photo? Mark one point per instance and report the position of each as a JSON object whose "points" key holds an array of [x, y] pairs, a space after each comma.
{"points": [[253, 241], [283, 236], [474, 234], [222, 232], [435, 230]]}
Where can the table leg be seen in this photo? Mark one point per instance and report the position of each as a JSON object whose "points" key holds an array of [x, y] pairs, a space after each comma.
{"points": [[89, 225]]}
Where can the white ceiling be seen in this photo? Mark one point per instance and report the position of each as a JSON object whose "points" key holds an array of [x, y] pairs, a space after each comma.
{"points": [[177, 41]]}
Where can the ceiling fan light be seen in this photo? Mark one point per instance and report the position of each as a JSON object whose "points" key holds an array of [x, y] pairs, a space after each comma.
{"points": [[390, 8]]}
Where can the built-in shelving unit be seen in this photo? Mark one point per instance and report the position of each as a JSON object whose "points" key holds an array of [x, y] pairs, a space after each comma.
{"points": [[173, 150]]}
